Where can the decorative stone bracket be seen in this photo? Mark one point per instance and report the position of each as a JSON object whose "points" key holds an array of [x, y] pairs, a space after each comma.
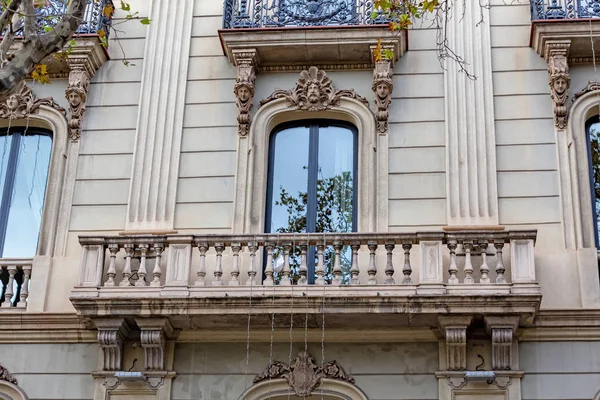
{"points": [[383, 87], [245, 62], [153, 335], [112, 334], [303, 376], [556, 55], [502, 330], [455, 332]]}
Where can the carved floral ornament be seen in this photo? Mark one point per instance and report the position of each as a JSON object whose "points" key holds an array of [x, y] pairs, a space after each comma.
{"points": [[22, 103], [6, 376], [592, 86], [303, 376]]}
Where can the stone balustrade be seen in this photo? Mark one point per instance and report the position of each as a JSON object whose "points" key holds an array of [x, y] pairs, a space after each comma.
{"points": [[424, 262], [15, 274]]}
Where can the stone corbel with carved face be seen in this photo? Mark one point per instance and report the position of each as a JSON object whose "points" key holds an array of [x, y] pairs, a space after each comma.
{"points": [[244, 94], [559, 80], [383, 87], [76, 94]]}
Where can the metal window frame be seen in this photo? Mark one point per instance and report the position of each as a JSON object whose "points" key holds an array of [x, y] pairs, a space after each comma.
{"points": [[314, 126]]}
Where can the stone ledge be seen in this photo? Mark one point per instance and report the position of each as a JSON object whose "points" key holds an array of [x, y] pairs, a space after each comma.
{"points": [[330, 48], [577, 31]]}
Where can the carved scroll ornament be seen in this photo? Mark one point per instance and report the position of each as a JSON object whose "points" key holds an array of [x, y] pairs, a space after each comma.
{"points": [[383, 87], [592, 86], [559, 80], [6, 376], [22, 103], [314, 92], [303, 376]]}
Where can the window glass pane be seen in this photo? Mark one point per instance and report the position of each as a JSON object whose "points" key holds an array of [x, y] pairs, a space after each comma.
{"points": [[290, 177], [5, 142], [25, 213], [335, 180]]}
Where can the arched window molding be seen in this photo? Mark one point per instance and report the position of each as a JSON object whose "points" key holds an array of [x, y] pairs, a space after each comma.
{"points": [[597, 396], [252, 163], [279, 389], [8, 391]]}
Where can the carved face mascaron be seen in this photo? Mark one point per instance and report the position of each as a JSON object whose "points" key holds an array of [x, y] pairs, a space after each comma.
{"points": [[560, 85], [74, 99], [243, 93], [383, 90], [313, 92]]}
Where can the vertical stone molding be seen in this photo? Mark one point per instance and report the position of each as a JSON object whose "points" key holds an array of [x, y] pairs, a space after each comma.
{"points": [[154, 333], [471, 181], [454, 330], [556, 53], [160, 117], [383, 88], [245, 62], [502, 330], [76, 93], [112, 333]]}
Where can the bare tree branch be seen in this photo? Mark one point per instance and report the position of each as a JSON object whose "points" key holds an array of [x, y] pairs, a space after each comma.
{"points": [[29, 16]]}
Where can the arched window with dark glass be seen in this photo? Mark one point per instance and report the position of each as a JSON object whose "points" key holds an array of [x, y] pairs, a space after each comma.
{"points": [[24, 161], [312, 185], [593, 139]]}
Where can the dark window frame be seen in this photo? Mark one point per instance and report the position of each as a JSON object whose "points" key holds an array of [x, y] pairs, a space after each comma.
{"points": [[11, 172], [314, 126]]}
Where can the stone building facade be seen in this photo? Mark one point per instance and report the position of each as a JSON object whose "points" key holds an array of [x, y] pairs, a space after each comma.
{"points": [[469, 266]]}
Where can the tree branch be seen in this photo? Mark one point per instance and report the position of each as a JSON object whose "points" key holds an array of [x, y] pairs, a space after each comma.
{"points": [[29, 16]]}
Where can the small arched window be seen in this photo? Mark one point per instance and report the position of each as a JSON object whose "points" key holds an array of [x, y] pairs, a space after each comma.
{"points": [[312, 181], [24, 161], [593, 141]]}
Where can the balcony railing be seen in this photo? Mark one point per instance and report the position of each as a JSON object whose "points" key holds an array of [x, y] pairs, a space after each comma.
{"points": [[564, 9], [493, 262], [281, 13], [14, 282]]}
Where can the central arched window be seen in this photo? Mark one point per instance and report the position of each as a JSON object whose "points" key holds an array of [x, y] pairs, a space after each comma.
{"points": [[593, 140], [312, 182]]}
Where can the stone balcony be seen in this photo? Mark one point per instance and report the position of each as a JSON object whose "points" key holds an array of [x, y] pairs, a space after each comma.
{"points": [[15, 274], [209, 281]]}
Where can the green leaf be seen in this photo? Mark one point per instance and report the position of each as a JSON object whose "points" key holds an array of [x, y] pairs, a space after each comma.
{"points": [[125, 6], [145, 21]]}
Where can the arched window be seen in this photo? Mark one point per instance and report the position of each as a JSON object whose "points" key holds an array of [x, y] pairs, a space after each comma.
{"points": [[592, 128], [312, 181], [24, 160]]}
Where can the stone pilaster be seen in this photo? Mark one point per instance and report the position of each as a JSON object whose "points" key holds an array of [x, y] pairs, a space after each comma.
{"points": [[245, 61], [470, 134], [160, 118], [112, 333], [154, 333], [556, 54], [502, 330], [454, 330]]}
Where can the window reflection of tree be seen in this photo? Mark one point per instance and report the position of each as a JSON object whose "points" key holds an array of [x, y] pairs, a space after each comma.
{"points": [[594, 141]]}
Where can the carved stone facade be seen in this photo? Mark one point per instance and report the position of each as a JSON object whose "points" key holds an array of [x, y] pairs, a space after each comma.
{"points": [[111, 338], [454, 330], [245, 62], [314, 92], [383, 88], [76, 94], [23, 103], [502, 330], [303, 376], [153, 336], [6, 376], [559, 80]]}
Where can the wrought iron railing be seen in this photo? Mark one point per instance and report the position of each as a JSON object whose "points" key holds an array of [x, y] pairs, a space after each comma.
{"points": [[564, 9], [96, 18], [280, 13]]}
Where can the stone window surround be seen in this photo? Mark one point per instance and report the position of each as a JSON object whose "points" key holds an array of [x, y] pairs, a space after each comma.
{"points": [[252, 164], [8, 391], [332, 389]]}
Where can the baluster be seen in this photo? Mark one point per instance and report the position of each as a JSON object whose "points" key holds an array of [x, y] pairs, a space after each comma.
{"points": [[303, 266], [25, 286], [499, 264], [484, 270], [8, 294], [389, 266], [142, 270], [468, 270], [269, 267], [407, 269], [113, 248], [129, 250], [252, 247], [285, 279], [235, 271], [372, 271], [219, 248], [320, 270], [452, 269], [355, 271], [157, 271], [337, 264], [202, 248]]}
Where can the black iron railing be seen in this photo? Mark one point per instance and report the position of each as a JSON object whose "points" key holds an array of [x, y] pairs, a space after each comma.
{"points": [[280, 13], [564, 9]]}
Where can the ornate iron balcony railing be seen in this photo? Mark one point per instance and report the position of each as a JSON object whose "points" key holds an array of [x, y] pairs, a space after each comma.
{"points": [[564, 9], [95, 19], [281, 13]]}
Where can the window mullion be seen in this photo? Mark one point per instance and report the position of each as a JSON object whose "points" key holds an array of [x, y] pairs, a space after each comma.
{"points": [[9, 182], [311, 206]]}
